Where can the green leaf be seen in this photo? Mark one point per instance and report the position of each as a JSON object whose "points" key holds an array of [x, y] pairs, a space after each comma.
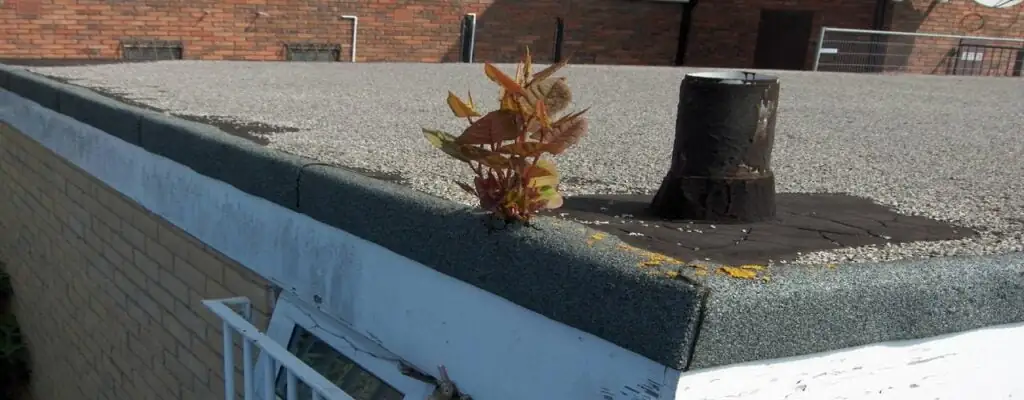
{"points": [[446, 142]]}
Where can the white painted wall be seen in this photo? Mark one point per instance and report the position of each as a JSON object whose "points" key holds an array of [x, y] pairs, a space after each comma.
{"points": [[492, 348]]}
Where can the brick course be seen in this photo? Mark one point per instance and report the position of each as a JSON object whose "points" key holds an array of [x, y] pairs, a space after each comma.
{"points": [[108, 294], [723, 33], [609, 31]]}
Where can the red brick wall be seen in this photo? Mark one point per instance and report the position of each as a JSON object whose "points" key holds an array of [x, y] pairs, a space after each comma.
{"points": [[604, 31], [960, 17], [724, 33]]}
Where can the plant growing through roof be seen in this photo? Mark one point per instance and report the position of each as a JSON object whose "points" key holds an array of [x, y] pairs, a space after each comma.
{"points": [[509, 148]]}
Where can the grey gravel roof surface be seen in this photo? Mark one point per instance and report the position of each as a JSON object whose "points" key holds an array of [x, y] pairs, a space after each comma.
{"points": [[948, 148]]}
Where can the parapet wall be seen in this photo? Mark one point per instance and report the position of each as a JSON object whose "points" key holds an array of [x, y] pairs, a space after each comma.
{"points": [[552, 270]]}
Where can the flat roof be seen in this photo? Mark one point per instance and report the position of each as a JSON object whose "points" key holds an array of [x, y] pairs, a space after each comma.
{"points": [[945, 148]]}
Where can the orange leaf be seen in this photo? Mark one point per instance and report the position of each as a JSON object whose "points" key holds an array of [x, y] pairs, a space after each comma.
{"points": [[495, 127], [505, 81], [508, 103], [541, 114], [520, 78], [460, 108], [527, 65]]}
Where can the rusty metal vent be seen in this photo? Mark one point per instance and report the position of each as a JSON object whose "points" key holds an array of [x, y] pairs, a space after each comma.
{"points": [[312, 52], [151, 50]]}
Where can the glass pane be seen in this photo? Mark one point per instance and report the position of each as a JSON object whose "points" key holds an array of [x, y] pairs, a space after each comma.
{"points": [[342, 371]]}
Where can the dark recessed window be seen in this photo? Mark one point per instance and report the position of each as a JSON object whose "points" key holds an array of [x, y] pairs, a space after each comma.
{"points": [[151, 50], [349, 376], [312, 52]]}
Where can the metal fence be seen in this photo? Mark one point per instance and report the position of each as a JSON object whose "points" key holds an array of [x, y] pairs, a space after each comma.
{"points": [[867, 51], [295, 369]]}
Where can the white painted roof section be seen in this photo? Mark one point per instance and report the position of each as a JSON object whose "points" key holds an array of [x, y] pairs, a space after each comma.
{"points": [[984, 364]]}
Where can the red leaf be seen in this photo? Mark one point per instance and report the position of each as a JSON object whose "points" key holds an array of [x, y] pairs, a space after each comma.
{"points": [[495, 127]]}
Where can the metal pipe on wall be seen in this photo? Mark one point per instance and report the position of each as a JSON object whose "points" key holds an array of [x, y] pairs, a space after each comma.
{"points": [[355, 32], [685, 25], [468, 37], [559, 39]]}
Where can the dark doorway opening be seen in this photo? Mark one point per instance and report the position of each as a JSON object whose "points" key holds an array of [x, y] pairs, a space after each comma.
{"points": [[783, 39]]}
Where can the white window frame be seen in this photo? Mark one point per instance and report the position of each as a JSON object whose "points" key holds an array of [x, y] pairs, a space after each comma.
{"points": [[290, 313]]}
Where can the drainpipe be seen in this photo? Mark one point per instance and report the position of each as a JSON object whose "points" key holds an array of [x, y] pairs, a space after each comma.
{"points": [[468, 37], [559, 39], [685, 23], [878, 24], [355, 31]]}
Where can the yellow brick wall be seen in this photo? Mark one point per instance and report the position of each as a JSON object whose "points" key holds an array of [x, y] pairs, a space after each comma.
{"points": [[108, 294]]}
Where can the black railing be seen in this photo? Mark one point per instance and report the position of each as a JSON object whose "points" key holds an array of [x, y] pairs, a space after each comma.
{"points": [[971, 58]]}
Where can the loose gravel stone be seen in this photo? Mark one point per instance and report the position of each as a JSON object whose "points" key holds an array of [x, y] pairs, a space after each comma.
{"points": [[948, 148]]}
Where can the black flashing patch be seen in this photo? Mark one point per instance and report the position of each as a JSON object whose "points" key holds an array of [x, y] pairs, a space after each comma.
{"points": [[806, 222]]}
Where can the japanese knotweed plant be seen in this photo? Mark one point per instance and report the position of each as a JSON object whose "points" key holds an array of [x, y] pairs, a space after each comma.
{"points": [[509, 148]]}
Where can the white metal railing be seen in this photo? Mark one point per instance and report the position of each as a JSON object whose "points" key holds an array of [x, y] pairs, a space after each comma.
{"points": [[277, 355], [860, 50]]}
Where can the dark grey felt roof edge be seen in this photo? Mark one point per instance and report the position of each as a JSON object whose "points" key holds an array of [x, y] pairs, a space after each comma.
{"points": [[553, 270], [808, 309]]}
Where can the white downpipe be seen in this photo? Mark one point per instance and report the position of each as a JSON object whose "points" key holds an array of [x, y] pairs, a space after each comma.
{"points": [[355, 32], [472, 37]]}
